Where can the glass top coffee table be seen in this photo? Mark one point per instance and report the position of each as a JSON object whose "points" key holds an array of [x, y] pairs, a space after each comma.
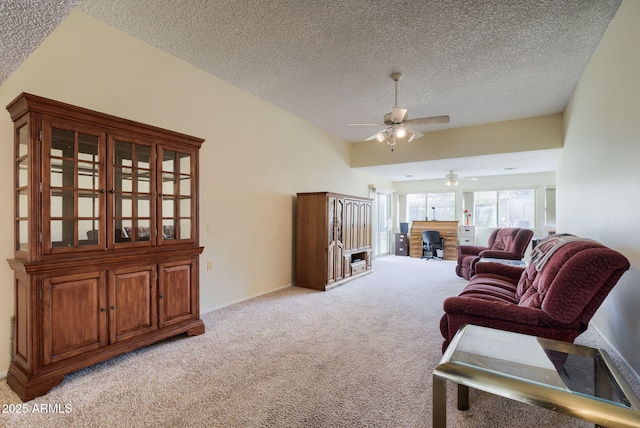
{"points": [[576, 380]]}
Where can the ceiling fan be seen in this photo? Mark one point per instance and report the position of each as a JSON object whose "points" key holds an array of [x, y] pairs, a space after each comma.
{"points": [[453, 179], [397, 122]]}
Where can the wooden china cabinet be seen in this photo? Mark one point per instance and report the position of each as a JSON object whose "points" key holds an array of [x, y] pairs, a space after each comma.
{"points": [[106, 239]]}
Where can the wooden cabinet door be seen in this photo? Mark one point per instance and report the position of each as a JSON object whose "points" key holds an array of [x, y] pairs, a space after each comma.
{"points": [[132, 302], [74, 317], [357, 224], [337, 236], [177, 292], [365, 225], [335, 268], [348, 225]]}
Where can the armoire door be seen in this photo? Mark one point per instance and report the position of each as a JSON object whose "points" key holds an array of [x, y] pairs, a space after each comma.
{"points": [[335, 251]]}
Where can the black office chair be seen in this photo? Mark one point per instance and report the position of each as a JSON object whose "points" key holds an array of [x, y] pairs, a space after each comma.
{"points": [[431, 243]]}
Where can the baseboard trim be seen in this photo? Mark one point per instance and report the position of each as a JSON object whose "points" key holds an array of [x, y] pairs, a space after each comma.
{"points": [[3, 375], [244, 299], [617, 355]]}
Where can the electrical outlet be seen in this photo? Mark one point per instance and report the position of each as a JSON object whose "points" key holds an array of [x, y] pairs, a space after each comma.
{"points": [[209, 265]]}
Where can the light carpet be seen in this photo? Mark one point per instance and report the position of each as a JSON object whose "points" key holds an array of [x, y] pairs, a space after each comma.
{"points": [[360, 355]]}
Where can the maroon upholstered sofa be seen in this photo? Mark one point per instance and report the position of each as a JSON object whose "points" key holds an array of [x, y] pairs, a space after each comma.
{"points": [[555, 296], [502, 244]]}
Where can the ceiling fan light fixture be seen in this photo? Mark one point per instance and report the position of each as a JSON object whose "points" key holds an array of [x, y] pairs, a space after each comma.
{"points": [[401, 132], [452, 180], [380, 136]]}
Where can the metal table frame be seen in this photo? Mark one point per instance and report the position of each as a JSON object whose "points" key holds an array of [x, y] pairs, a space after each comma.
{"points": [[601, 411]]}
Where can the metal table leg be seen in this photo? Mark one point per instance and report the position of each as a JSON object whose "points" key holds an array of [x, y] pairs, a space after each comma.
{"points": [[439, 402], [463, 397]]}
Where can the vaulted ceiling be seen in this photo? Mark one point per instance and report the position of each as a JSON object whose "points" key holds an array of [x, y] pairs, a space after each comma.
{"points": [[329, 62]]}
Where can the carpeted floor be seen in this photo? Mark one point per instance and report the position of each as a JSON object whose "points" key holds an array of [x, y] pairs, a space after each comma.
{"points": [[360, 355]]}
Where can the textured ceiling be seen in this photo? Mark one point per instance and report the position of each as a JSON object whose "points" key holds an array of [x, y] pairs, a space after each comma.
{"points": [[24, 24], [479, 61]]}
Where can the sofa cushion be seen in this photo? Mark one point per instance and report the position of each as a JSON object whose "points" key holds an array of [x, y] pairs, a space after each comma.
{"points": [[503, 239], [493, 288]]}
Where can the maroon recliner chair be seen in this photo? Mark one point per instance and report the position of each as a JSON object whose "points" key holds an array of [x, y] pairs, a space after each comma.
{"points": [[554, 297], [508, 244]]}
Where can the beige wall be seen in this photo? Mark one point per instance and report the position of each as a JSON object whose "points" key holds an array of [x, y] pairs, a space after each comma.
{"points": [[254, 160], [599, 170], [535, 133]]}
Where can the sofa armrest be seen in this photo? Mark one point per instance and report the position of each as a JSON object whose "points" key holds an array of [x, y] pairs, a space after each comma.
{"points": [[496, 254], [493, 309], [470, 249], [511, 273]]}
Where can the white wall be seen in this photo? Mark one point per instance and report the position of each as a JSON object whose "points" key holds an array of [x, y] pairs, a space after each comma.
{"points": [[540, 182], [599, 170], [256, 156]]}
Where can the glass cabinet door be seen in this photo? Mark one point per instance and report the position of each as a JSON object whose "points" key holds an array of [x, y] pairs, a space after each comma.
{"points": [[74, 187], [22, 189], [107, 190], [131, 192], [176, 190]]}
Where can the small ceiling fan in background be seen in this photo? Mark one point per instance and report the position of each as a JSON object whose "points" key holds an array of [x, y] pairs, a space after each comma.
{"points": [[453, 179], [397, 122]]}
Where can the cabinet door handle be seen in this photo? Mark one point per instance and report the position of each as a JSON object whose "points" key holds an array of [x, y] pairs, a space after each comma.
{"points": [[161, 296], [113, 307], [102, 309]]}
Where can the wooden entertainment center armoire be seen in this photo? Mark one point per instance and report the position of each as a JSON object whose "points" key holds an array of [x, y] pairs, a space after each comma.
{"points": [[106, 239], [333, 239]]}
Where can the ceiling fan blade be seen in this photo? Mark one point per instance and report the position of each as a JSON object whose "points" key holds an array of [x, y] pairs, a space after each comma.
{"points": [[375, 136], [428, 120], [417, 134], [398, 114]]}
